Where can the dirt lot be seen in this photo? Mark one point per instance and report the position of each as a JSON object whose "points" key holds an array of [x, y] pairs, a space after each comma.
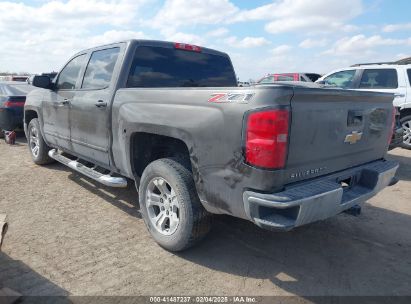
{"points": [[69, 235]]}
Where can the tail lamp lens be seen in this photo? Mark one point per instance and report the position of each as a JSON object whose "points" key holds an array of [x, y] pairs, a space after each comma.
{"points": [[267, 138], [14, 102]]}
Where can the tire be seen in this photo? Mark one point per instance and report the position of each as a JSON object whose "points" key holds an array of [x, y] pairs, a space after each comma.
{"points": [[35, 139], [1, 133], [406, 124], [167, 177]]}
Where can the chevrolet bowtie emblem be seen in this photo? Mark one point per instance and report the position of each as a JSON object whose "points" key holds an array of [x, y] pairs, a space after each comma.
{"points": [[353, 137]]}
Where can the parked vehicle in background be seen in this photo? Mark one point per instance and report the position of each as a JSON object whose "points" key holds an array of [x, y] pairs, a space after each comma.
{"points": [[307, 77], [19, 78], [12, 99], [243, 84], [389, 77], [171, 117]]}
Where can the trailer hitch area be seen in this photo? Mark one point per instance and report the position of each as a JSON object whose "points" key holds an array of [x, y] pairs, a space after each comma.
{"points": [[354, 210]]}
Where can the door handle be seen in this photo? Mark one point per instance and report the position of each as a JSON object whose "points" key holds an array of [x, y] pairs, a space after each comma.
{"points": [[101, 104], [399, 95], [64, 102]]}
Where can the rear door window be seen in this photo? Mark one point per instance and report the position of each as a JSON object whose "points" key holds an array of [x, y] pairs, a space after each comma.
{"points": [[342, 79], [68, 76], [168, 67], [379, 79], [100, 69]]}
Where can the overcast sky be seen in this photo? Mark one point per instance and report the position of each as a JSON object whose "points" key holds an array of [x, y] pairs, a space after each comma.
{"points": [[261, 36]]}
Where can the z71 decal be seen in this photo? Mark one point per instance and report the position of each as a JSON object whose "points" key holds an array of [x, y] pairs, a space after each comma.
{"points": [[231, 97]]}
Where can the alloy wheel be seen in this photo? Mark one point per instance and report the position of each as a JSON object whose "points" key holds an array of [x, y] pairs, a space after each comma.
{"points": [[162, 205], [406, 125], [34, 141]]}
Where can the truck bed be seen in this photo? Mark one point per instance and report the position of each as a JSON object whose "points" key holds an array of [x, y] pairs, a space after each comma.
{"points": [[211, 122]]}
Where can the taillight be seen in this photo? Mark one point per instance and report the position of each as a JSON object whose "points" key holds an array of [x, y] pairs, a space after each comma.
{"points": [[187, 47], [394, 113], [266, 138], [13, 103]]}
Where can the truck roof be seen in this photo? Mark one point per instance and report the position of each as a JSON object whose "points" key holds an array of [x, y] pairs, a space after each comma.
{"points": [[380, 66], [154, 43]]}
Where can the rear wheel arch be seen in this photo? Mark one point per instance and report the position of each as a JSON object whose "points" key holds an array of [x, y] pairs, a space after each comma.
{"points": [[147, 147]]}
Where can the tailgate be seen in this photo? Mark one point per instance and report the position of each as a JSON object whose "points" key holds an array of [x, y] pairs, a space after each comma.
{"points": [[334, 129]]}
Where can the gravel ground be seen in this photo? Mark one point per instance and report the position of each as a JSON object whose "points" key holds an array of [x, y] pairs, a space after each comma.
{"points": [[70, 236]]}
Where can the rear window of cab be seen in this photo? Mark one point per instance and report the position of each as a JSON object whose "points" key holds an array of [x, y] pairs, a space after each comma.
{"points": [[155, 67]]}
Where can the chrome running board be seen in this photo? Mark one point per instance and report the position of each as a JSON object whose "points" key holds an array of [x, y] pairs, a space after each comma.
{"points": [[105, 179]]}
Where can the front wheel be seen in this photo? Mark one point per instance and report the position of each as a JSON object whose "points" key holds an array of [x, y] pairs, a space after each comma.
{"points": [[406, 125], [170, 205], [38, 147]]}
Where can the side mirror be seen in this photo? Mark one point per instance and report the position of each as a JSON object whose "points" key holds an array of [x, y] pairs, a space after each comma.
{"points": [[41, 82], [322, 82]]}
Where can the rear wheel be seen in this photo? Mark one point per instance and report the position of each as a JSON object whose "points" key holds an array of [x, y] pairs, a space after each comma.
{"points": [[38, 147], [170, 205], [1, 133], [406, 125]]}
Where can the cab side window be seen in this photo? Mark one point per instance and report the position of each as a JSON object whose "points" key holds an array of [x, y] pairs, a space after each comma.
{"points": [[68, 76], [379, 79], [342, 79], [269, 79], [409, 76], [285, 78], [100, 69]]}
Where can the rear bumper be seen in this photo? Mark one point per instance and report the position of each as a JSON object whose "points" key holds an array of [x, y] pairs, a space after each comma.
{"points": [[318, 199], [10, 120]]}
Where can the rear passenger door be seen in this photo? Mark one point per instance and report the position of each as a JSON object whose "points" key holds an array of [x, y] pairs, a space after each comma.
{"points": [[91, 106]]}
